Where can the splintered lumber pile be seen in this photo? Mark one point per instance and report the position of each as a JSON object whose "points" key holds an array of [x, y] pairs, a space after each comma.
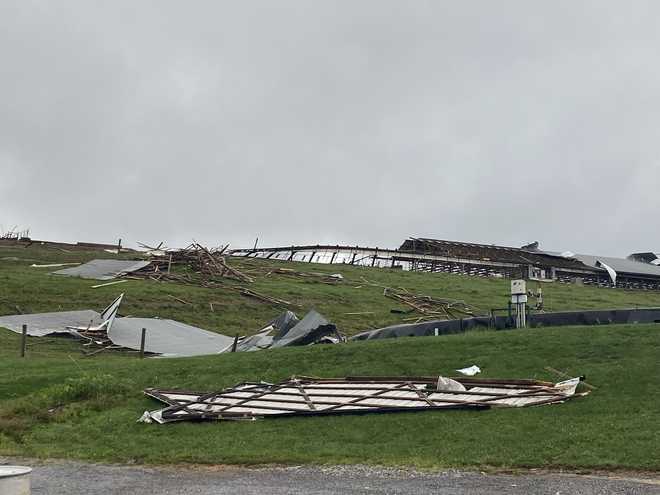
{"points": [[208, 264], [205, 268], [211, 263], [430, 306]]}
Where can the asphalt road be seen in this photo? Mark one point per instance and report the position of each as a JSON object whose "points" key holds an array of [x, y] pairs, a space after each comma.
{"points": [[69, 478]]}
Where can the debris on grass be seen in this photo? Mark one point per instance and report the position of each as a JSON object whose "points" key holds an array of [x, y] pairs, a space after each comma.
{"points": [[52, 265], [106, 331], [108, 283], [564, 375], [264, 298], [305, 396], [470, 370], [312, 328], [430, 306], [209, 264], [332, 279], [168, 338], [104, 269]]}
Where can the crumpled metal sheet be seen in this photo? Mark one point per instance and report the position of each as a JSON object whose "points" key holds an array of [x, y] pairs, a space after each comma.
{"points": [[168, 337], [284, 322], [287, 330], [263, 339], [312, 327], [41, 324], [103, 269]]}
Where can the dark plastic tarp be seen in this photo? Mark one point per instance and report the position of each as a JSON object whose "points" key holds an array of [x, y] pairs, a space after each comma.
{"points": [[443, 327]]}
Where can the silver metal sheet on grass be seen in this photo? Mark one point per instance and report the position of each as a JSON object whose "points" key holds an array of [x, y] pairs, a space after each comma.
{"points": [[168, 337], [261, 340], [41, 324], [103, 269]]}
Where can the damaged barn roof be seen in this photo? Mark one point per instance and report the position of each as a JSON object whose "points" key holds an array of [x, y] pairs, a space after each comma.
{"points": [[305, 396], [620, 265]]}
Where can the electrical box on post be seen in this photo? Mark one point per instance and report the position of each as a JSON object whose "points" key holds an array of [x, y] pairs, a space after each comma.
{"points": [[518, 287]]}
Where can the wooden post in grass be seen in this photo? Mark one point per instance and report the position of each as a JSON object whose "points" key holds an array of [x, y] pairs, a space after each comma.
{"points": [[143, 338], [169, 264], [235, 344], [23, 340]]}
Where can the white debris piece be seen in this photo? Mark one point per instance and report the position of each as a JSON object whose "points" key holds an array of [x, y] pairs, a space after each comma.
{"points": [[471, 371]]}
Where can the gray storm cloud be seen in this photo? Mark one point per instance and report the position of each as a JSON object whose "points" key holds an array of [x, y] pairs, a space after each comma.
{"points": [[358, 122]]}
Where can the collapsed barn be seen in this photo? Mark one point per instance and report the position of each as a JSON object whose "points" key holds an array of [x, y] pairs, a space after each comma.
{"points": [[434, 255]]}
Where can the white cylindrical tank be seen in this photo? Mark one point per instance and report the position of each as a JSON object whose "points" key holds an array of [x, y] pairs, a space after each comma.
{"points": [[15, 480]]}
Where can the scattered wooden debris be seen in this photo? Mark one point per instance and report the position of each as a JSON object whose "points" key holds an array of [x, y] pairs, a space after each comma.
{"points": [[564, 375], [430, 306], [272, 300], [179, 299], [332, 279]]}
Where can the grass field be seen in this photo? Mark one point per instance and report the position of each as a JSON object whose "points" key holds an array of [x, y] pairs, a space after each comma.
{"points": [[55, 403]]}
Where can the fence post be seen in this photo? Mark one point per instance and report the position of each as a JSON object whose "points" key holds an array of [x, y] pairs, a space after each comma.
{"points": [[235, 344], [23, 340], [142, 341]]}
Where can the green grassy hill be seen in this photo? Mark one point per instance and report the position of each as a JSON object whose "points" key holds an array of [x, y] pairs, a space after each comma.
{"points": [[56, 403], [35, 290]]}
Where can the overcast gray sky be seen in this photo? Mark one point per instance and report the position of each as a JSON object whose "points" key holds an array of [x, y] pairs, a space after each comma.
{"points": [[360, 122]]}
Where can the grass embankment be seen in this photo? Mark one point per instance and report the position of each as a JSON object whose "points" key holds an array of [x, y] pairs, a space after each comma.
{"points": [[52, 406], [56, 404]]}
